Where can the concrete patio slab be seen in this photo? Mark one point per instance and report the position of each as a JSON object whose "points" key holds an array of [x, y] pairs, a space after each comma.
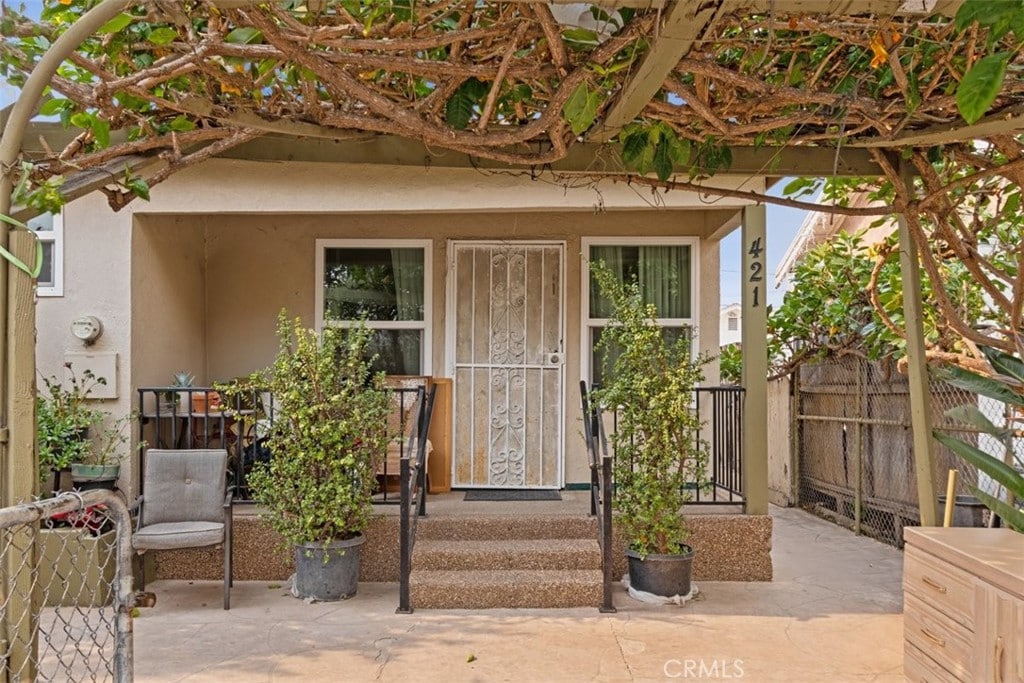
{"points": [[832, 613]]}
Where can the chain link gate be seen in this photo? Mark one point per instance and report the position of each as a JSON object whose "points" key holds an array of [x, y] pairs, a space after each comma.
{"points": [[66, 589], [854, 443]]}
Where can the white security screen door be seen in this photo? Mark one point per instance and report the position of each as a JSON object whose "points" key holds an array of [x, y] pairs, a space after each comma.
{"points": [[508, 363]]}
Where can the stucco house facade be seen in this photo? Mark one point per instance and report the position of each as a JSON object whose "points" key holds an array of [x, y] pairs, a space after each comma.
{"points": [[469, 275]]}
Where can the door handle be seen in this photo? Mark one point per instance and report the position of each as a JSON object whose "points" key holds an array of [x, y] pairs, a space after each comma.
{"points": [[555, 359]]}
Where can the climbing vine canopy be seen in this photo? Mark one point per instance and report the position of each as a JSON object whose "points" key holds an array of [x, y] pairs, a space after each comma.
{"points": [[675, 86]]}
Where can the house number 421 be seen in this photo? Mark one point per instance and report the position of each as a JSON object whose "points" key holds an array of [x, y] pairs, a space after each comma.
{"points": [[756, 252]]}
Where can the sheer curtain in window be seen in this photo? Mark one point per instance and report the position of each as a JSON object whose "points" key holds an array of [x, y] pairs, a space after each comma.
{"points": [[664, 274], [601, 307], [408, 272]]}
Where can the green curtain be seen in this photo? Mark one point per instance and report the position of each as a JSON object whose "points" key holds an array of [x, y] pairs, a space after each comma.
{"points": [[664, 274], [407, 265], [601, 307]]}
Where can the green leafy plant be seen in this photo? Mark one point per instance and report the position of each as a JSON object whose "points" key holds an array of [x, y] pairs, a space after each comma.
{"points": [[1006, 384], [64, 420], [730, 364], [330, 428], [659, 457], [69, 430]]}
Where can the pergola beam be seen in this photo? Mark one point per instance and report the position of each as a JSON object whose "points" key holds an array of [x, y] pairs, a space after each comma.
{"points": [[922, 7], [1006, 123], [683, 24], [587, 158]]}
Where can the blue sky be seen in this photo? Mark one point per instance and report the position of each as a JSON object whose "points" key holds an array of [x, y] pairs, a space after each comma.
{"points": [[783, 224]]}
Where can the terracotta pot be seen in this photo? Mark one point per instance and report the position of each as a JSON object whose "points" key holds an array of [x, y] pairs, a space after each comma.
{"points": [[205, 401]]}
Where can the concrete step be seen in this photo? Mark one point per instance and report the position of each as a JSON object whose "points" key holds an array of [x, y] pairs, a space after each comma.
{"points": [[514, 588], [561, 553], [509, 527]]}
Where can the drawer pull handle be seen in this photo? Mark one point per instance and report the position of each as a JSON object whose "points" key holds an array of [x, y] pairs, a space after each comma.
{"points": [[932, 637], [997, 660], [932, 583]]}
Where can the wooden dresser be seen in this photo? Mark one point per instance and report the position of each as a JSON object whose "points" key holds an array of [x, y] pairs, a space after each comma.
{"points": [[963, 605]]}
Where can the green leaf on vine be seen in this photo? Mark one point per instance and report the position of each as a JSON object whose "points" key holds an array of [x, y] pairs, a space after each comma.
{"points": [[581, 108], [980, 85], [244, 35], [182, 124], [101, 131], [162, 36], [458, 112], [118, 23], [51, 107], [663, 160]]}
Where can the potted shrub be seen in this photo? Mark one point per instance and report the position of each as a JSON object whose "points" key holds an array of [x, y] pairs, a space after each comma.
{"points": [[330, 430], [75, 437], [659, 456], [63, 424]]}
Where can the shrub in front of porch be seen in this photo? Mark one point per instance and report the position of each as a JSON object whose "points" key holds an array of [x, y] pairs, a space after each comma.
{"points": [[330, 428], [659, 456]]}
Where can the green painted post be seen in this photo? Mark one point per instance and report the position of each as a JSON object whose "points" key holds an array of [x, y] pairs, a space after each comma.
{"points": [[755, 361], [917, 368], [18, 469]]}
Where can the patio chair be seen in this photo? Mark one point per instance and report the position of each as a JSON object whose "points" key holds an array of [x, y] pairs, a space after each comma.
{"points": [[185, 504]]}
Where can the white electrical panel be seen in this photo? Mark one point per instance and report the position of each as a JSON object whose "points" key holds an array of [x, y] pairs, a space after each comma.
{"points": [[102, 364]]}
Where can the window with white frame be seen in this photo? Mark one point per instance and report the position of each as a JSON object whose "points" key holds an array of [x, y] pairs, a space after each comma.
{"points": [[665, 269], [49, 229], [388, 283], [734, 322]]}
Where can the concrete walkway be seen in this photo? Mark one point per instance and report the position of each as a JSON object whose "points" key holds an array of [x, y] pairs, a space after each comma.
{"points": [[833, 613]]}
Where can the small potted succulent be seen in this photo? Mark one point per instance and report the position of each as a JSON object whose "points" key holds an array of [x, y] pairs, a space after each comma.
{"points": [[176, 398], [659, 455]]}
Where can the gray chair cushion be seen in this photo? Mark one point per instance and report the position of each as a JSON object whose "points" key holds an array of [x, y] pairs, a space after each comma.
{"points": [[170, 535], [184, 486]]}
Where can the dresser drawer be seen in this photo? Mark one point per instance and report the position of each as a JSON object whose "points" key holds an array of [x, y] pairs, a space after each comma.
{"points": [[947, 588], [942, 639], [918, 668]]}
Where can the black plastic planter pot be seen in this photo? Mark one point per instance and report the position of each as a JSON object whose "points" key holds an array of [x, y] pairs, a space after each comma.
{"points": [[664, 575], [335, 579]]}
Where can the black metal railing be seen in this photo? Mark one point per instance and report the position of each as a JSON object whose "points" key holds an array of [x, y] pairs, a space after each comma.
{"points": [[723, 432], [600, 490], [412, 489], [413, 409], [721, 476], [200, 417]]}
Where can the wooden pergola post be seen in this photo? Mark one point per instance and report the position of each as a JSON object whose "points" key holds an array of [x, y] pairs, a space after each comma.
{"points": [[19, 469], [755, 361], [917, 367]]}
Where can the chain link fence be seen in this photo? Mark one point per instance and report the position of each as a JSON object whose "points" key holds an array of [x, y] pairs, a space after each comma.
{"points": [[855, 447], [66, 589]]}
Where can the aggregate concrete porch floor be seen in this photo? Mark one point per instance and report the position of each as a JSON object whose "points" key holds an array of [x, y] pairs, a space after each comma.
{"points": [[833, 613]]}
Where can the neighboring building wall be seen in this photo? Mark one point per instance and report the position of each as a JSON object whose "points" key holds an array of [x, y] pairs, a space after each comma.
{"points": [[781, 476], [726, 335], [214, 257]]}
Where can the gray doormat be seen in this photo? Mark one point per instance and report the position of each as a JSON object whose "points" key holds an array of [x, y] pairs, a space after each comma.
{"points": [[497, 495]]}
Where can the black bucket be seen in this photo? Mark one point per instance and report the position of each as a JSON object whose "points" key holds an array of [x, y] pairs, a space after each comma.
{"points": [[967, 511], [664, 575]]}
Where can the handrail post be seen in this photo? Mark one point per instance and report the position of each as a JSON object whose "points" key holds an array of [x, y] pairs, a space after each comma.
{"points": [[606, 533], [405, 559]]}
